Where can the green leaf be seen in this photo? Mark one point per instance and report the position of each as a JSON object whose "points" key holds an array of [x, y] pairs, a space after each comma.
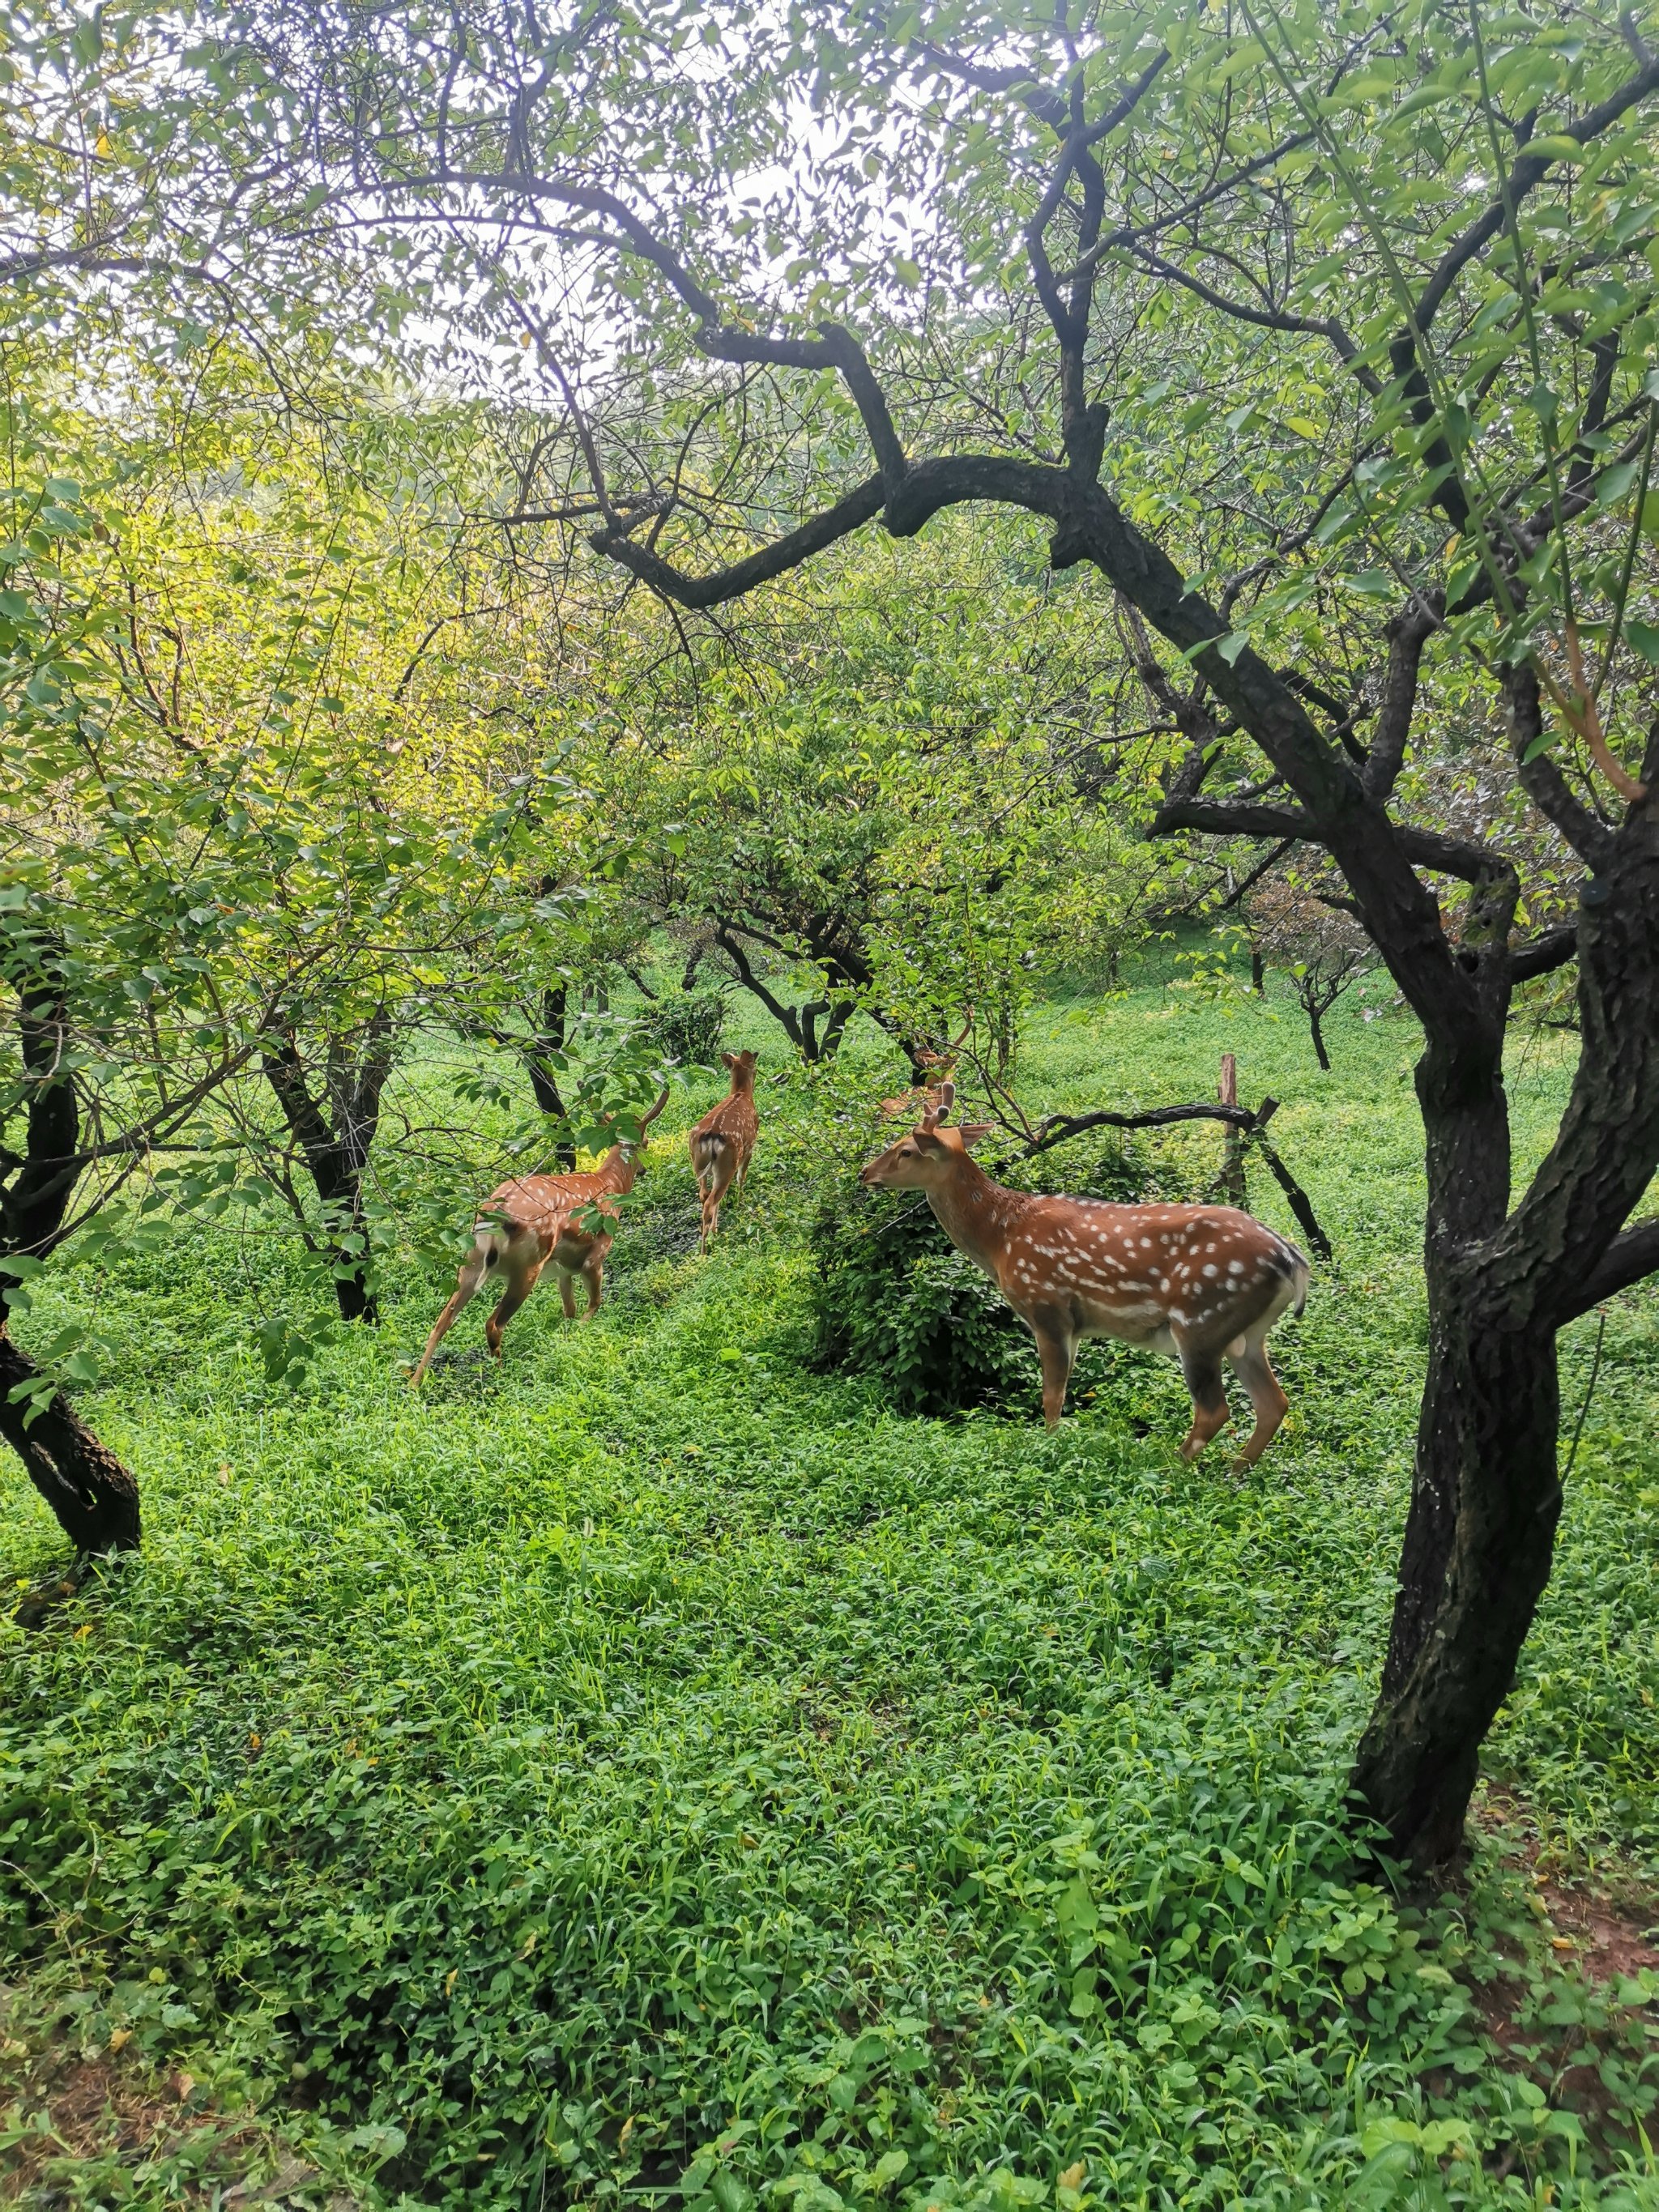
{"points": [[1560, 148], [1643, 638], [1611, 487]]}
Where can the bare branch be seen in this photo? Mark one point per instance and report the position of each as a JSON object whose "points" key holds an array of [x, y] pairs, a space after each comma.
{"points": [[1408, 633], [1544, 954], [1629, 1259]]}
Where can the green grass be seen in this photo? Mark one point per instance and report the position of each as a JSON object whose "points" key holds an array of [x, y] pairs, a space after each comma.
{"points": [[655, 1771]]}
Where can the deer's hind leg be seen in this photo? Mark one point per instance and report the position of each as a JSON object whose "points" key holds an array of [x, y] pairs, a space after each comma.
{"points": [[521, 1267], [1249, 1361], [476, 1266]]}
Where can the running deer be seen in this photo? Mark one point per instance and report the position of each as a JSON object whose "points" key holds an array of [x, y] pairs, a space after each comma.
{"points": [[525, 1223], [723, 1143], [941, 1066], [1200, 1282]]}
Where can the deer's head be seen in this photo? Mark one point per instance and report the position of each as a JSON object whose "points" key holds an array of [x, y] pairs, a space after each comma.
{"points": [[930, 1154], [741, 1065], [621, 1161]]}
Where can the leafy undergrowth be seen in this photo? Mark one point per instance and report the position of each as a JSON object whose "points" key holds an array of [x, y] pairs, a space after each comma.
{"points": [[654, 1770]]}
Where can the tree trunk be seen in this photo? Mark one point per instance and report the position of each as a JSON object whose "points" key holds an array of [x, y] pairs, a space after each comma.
{"points": [[1314, 1024], [93, 1495], [355, 1302], [336, 1143], [555, 1003], [1475, 1561], [1258, 973], [1484, 1497]]}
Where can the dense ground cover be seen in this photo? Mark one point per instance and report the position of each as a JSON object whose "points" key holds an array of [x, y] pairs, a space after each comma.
{"points": [[656, 1769]]}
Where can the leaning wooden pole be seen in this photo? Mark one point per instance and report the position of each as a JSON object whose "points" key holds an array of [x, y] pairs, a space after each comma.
{"points": [[1232, 1155]]}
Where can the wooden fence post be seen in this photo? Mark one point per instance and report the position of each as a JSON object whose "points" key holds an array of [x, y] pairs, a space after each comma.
{"points": [[1232, 1156]]}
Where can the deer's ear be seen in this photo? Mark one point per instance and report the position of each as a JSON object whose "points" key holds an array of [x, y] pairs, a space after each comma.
{"points": [[729, 1060], [925, 1141], [975, 1133]]}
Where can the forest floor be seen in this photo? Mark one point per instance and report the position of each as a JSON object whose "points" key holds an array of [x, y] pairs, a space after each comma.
{"points": [[654, 1770]]}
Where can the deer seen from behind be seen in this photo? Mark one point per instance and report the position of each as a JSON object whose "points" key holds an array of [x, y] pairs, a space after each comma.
{"points": [[525, 1223], [939, 1067], [1202, 1283], [722, 1144]]}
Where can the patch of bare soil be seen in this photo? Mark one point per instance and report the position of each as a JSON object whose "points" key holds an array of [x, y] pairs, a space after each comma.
{"points": [[1578, 2013], [69, 2118]]}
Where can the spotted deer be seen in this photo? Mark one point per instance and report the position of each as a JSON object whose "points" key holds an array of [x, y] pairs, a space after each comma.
{"points": [[525, 1223], [1203, 1283], [723, 1143]]}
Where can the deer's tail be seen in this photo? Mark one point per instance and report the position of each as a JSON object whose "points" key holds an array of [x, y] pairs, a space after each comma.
{"points": [[706, 1147], [1292, 1266]]}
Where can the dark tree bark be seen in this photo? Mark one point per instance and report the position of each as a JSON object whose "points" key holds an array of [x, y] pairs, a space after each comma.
{"points": [[799, 1023], [335, 1138], [1486, 1494], [1315, 1029], [94, 1496], [539, 1061]]}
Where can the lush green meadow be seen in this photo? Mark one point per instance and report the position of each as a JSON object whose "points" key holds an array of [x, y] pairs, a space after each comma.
{"points": [[657, 1771]]}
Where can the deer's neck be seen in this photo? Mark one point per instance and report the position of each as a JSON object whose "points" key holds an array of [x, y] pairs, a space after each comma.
{"points": [[974, 1211], [617, 1170]]}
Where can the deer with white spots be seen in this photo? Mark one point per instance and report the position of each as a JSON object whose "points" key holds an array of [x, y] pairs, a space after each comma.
{"points": [[525, 1223], [1203, 1283]]}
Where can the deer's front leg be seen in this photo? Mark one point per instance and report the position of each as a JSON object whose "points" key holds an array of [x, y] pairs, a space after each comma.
{"points": [[1210, 1412], [1057, 1350]]}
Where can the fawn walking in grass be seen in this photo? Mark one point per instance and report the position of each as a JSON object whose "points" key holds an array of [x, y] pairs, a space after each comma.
{"points": [[533, 1219], [1203, 1283], [723, 1143]]}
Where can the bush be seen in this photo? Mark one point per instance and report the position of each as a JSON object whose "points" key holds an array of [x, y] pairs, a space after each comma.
{"points": [[892, 1297], [689, 1027]]}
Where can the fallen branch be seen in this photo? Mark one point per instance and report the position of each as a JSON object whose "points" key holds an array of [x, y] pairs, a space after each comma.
{"points": [[1060, 1128]]}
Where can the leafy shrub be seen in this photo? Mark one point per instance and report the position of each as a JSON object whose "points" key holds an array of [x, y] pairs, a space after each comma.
{"points": [[892, 1295], [688, 1027]]}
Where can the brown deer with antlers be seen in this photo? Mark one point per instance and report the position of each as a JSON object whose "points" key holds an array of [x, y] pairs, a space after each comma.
{"points": [[1203, 1283], [923, 1099], [723, 1143], [525, 1223]]}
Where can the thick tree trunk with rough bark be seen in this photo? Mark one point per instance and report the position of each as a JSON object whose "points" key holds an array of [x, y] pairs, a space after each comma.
{"points": [[1487, 1493], [94, 1496], [1476, 1557]]}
